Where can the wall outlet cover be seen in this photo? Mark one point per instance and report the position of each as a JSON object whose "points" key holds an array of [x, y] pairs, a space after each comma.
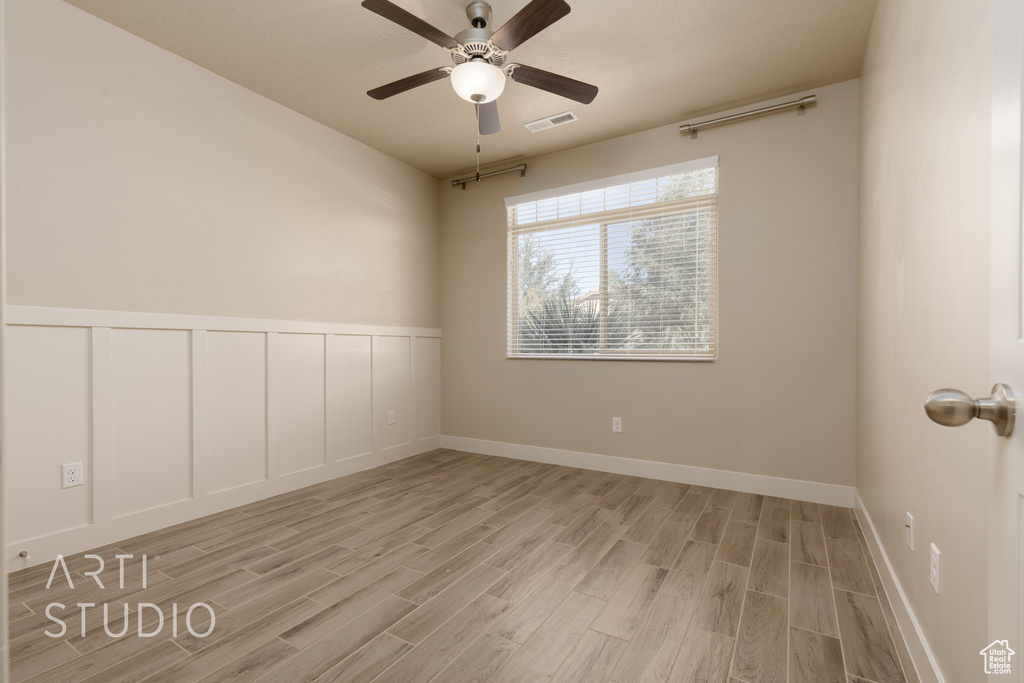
{"points": [[616, 424], [71, 475]]}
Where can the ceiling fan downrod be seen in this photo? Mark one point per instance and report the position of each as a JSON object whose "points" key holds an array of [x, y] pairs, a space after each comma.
{"points": [[479, 13]]}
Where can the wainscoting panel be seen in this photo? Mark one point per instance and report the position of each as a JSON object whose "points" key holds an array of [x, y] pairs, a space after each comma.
{"points": [[176, 416], [150, 418], [351, 408], [297, 402], [427, 363], [236, 409], [48, 423], [393, 384]]}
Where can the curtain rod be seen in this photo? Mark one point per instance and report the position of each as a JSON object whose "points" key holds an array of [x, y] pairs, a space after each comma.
{"points": [[480, 176], [799, 105]]}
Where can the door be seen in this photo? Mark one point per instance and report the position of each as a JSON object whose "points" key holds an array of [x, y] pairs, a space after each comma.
{"points": [[1006, 328]]}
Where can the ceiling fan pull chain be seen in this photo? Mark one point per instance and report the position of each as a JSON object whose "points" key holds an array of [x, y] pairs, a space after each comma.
{"points": [[477, 107]]}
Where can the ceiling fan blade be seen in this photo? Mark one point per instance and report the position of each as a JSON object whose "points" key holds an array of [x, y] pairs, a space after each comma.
{"points": [[528, 22], [489, 123], [394, 13], [407, 83], [560, 85]]}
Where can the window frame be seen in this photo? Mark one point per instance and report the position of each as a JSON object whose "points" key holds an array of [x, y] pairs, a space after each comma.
{"points": [[602, 220]]}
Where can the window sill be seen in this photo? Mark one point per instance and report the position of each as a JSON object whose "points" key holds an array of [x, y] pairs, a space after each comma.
{"points": [[609, 356]]}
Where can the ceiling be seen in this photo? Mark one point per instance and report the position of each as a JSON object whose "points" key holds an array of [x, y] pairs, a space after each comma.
{"points": [[655, 62]]}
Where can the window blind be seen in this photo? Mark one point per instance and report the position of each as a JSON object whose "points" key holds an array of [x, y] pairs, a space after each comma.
{"points": [[621, 269]]}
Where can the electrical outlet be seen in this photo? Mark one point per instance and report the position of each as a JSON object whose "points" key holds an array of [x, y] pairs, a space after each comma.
{"points": [[933, 567], [391, 417], [910, 531], [71, 475], [616, 424]]}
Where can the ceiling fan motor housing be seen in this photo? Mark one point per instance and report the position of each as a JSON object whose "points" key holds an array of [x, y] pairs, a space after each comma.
{"points": [[474, 44]]}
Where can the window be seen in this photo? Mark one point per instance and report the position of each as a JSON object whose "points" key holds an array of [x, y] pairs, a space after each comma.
{"points": [[623, 268]]}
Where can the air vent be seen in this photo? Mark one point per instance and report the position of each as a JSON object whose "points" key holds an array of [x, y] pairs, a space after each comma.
{"points": [[552, 121]]}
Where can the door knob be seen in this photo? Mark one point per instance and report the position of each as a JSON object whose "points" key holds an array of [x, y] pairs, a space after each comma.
{"points": [[952, 408]]}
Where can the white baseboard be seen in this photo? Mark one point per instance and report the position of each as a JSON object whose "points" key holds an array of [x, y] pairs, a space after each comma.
{"points": [[920, 652], [797, 489], [70, 541]]}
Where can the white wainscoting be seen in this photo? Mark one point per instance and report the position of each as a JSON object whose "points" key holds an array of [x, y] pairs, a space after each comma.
{"points": [[178, 416]]}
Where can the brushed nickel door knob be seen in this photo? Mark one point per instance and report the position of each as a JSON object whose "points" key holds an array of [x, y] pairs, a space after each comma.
{"points": [[952, 408]]}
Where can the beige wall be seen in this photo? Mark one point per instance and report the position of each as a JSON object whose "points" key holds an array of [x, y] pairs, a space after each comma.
{"points": [[138, 181], [141, 182], [923, 305], [779, 400]]}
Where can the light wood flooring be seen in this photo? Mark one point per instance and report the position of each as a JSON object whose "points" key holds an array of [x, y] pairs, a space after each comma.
{"points": [[451, 566]]}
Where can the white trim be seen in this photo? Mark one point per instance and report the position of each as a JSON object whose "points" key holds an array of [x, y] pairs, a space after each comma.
{"points": [[81, 317], [200, 416], [411, 388], [70, 541], [797, 489], [273, 368], [920, 652], [330, 407], [427, 443], [376, 415], [101, 467], [601, 183]]}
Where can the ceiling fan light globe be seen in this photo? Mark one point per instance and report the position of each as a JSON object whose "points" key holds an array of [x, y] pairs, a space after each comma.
{"points": [[478, 82]]}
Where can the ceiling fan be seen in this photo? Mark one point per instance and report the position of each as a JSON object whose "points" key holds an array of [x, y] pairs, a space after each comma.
{"points": [[480, 56]]}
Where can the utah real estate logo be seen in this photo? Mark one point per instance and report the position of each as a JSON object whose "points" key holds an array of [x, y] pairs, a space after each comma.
{"points": [[997, 657]]}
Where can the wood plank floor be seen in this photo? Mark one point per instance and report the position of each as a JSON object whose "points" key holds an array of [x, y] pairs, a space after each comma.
{"points": [[451, 566]]}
